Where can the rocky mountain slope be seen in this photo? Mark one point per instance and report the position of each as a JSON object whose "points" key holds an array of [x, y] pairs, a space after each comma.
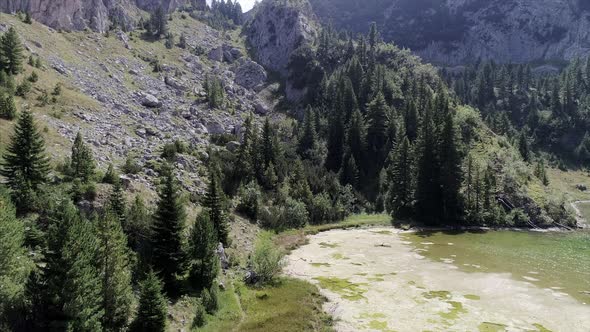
{"points": [[122, 107], [459, 31], [94, 14]]}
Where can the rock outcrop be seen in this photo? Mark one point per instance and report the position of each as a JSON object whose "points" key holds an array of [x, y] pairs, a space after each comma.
{"points": [[277, 28], [82, 14], [459, 31]]}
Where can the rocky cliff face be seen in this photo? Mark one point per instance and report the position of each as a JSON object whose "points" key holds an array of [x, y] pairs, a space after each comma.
{"points": [[459, 31], [82, 14], [277, 28]]}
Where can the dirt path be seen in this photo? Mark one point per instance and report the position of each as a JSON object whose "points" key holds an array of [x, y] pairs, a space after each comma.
{"points": [[376, 282]]}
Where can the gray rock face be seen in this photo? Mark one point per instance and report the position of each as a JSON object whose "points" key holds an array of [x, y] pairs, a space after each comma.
{"points": [[249, 74], [277, 28], [149, 100], [458, 31], [82, 14]]}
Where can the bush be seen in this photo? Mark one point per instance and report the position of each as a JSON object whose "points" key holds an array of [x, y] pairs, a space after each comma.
{"points": [[110, 176], [200, 312], [23, 89], [169, 152], [210, 300], [321, 209], [250, 197], [131, 166], [266, 260], [295, 214]]}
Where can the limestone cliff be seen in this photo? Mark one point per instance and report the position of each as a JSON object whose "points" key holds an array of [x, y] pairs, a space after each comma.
{"points": [[82, 14], [458, 31]]}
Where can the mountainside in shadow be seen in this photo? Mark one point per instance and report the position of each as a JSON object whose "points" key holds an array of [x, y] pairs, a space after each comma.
{"points": [[459, 31]]}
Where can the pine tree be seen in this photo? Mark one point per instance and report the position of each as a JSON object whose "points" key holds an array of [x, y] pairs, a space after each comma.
{"points": [[336, 137], [7, 107], [73, 277], [377, 121], [15, 263], [182, 41], [308, 137], [428, 188], [203, 246], [168, 255], [400, 193], [152, 310], [451, 174], [349, 173], [158, 24], [25, 162], [268, 148], [82, 163], [117, 203], [523, 146], [356, 139], [213, 202], [117, 294], [11, 52]]}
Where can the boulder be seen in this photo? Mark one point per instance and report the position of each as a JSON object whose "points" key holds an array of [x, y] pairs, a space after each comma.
{"points": [[149, 100], [261, 108], [232, 146], [249, 74], [215, 127], [216, 54]]}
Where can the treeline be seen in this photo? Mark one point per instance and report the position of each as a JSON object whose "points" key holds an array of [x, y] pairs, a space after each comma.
{"points": [[67, 268], [545, 110], [378, 133]]}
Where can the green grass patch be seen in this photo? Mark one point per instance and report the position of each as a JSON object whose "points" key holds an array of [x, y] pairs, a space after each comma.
{"points": [[289, 305], [343, 287], [227, 317]]}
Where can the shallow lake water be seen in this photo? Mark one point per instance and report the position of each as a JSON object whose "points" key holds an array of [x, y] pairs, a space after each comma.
{"points": [[387, 280]]}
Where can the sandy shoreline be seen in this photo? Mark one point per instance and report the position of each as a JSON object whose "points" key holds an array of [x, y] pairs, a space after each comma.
{"points": [[375, 282]]}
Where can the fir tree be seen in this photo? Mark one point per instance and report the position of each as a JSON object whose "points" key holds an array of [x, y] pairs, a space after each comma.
{"points": [[451, 174], [356, 139], [203, 246], [7, 107], [336, 136], [82, 163], [377, 121], [428, 189], [117, 294], [523, 146], [268, 148], [214, 203], [400, 193], [73, 277], [11, 52], [152, 310], [168, 256], [158, 25], [308, 137], [117, 203], [24, 160]]}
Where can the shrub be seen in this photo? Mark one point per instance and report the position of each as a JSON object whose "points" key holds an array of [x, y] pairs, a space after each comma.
{"points": [[266, 260], [250, 197], [295, 214], [210, 300], [131, 166], [321, 209], [23, 89], [200, 312]]}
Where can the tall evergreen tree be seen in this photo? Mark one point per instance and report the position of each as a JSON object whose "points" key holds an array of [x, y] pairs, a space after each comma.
{"points": [[11, 52], [356, 139], [117, 203], [428, 188], [377, 121], [336, 137], [268, 148], [451, 174], [152, 310], [203, 245], [81, 292], [158, 24], [168, 254], [523, 146], [82, 163], [25, 164], [214, 203], [308, 137], [400, 194], [117, 294], [7, 107]]}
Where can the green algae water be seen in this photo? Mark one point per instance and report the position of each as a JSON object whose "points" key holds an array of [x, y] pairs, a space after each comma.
{"points": [[556, 261]]}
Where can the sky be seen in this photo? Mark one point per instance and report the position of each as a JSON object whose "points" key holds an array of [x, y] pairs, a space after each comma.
{"points": [[246, 4]]}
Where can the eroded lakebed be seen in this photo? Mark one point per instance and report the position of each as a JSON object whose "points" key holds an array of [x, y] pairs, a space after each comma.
{"points": [[386, 280]]}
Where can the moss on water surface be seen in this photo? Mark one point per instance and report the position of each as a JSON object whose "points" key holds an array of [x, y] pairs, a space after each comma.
{"points": [[320, 264], [379, 326], [454, 312], [328, 245], [442, 295], [472, 297], [541, 328], [491, 327], [343, 287]]}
